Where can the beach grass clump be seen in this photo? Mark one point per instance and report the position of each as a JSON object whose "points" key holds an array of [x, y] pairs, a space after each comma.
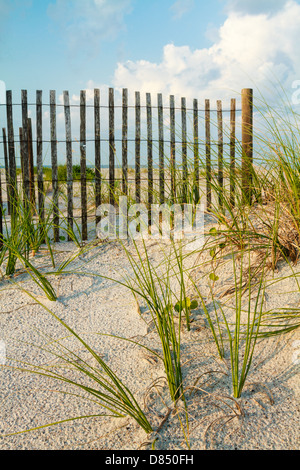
{"points": [[26, 233], [22, 239], [96, 382], [155, 289], [271, 216], [235, 326]]}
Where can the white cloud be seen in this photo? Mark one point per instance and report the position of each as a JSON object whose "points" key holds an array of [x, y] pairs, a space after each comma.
{"points": [[250, 50], [85, 24], [181, 7]]}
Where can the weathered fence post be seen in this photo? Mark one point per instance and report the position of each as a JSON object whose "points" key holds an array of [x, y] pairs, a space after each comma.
{"points": [[208, 155], [31, 166], [184, 151], [247, 143], [196, 148], [149, 155], [232, 151], [137, 147], [98, 178], [1, 212], [84, 229], [11, 155], [160, 111], [6, 169], [24, 144], [67, 113], [220, 155], [111, 123], [172, 149], [125, 141], [22, 163], [39, 154]]}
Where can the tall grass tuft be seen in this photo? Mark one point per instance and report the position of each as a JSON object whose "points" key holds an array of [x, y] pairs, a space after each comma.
{"points": [[155, 289], [98, 382]]}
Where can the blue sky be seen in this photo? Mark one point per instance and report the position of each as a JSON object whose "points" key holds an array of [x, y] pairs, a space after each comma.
{"points": [[190, 46], [193, 48], [68, 44]]}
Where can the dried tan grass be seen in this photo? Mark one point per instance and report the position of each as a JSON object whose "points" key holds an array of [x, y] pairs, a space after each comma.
{"points": [[271, 233]]}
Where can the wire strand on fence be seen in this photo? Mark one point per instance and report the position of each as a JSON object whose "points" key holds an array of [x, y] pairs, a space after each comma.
{"points": [[121, 140], [58, 105]]}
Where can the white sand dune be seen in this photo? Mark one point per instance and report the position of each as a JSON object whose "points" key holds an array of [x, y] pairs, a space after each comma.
{"points": [[91, 305]]}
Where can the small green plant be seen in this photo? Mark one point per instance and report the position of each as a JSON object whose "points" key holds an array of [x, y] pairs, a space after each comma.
{"points": [[76, 173], [47, 172], [186, 305], [90, 173]]}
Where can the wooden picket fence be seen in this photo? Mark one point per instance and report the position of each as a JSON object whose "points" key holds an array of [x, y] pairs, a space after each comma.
{"points": [[166, 168]]}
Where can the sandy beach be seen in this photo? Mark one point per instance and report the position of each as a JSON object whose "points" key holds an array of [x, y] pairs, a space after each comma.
{"points": [[265, 417]]}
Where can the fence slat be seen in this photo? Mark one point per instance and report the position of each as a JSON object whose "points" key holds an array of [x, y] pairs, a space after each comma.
{"points": [[6, 169], [11, 153], [125, 141], [196, 147], [97, 151], [39, 154], [247, 143], [208, 155], [1, 215], [111, 146], [22, 161], [25, 144], [83, 163], [69, 160], [31, 166], [161, 149], [232, 151], [55, 188], [172, 149], [220, 152], [149, 155], [149, 147], [137, 147], [184, 150]]}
